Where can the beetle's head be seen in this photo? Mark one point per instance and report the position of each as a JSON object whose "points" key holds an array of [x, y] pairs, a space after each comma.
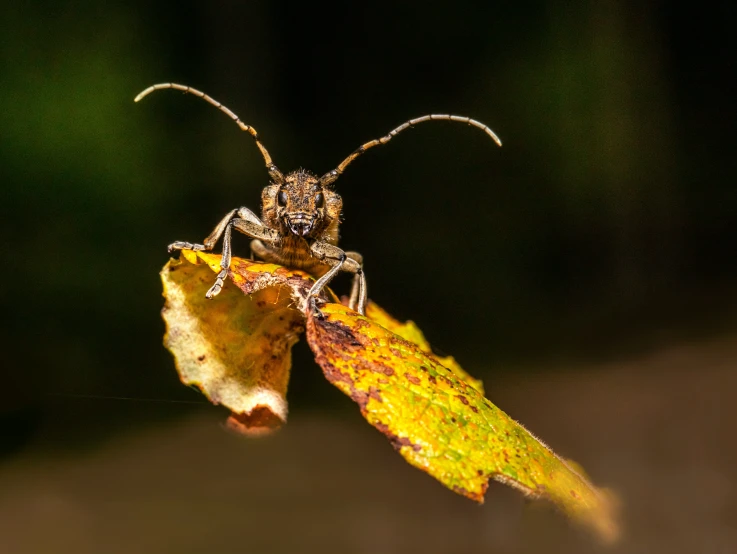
{"points": [[299, 204]]}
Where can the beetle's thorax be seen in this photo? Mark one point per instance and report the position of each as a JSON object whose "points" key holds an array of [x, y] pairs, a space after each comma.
{"points": [[301, 206]]}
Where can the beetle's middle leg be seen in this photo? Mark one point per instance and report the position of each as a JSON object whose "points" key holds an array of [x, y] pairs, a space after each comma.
{"points": [[340, 261], [358, 288]]}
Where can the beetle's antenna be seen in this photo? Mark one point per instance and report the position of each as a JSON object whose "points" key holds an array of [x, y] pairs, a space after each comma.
{"points": [[331, 176], [273, 171]]}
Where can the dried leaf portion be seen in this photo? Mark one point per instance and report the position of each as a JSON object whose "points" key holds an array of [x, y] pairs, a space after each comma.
{"points": [[237, 348], [442, 424]]}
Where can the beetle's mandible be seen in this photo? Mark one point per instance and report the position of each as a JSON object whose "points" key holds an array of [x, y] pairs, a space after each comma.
{"points": [[300, 215]]}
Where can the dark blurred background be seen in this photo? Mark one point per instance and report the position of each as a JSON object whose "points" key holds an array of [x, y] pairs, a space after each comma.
{"points": [[585, 270]]}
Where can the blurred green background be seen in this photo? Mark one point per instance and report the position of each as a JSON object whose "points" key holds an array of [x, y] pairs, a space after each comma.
{"points": [[603, 230]]}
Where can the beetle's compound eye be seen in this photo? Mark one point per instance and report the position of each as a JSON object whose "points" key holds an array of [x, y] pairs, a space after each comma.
{"points": [[281, 199], [320, 200]]}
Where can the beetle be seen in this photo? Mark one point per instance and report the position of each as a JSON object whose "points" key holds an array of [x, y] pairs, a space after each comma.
{"points": [[300, 214]]}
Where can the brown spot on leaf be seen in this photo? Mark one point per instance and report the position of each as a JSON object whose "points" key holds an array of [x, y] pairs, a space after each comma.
{"points": [[362, 397], [374, 367], [361, 323], [462, 399], [201, 358], [397, 442], [433, 380], [332, 373], [338, 334], [412, 378]]}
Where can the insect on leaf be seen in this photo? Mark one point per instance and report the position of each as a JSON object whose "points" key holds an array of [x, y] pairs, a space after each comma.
{"points": [[429, 408]]}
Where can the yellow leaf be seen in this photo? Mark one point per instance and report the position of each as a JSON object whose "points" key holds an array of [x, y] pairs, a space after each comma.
{"points": [[236, 348], [440, 423]]}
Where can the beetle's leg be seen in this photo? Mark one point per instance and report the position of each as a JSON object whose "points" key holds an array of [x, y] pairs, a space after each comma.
{"points": [[249, 225], [224, 264], [322, 281], [248, 215], [362, 291], [358, 288], [212, 238], [339, 260], [255, 229]]}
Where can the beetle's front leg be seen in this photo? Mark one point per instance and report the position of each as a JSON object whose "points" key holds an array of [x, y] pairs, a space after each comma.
{"points": [[224, 264], [339, 260], [212, 238], [250, 226]]}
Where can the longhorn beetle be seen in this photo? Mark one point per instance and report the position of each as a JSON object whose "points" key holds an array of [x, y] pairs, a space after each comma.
{"points": [[300, 215]]}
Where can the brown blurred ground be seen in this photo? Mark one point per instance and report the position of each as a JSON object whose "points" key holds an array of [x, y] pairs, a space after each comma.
{"points": [[661, 430]]}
